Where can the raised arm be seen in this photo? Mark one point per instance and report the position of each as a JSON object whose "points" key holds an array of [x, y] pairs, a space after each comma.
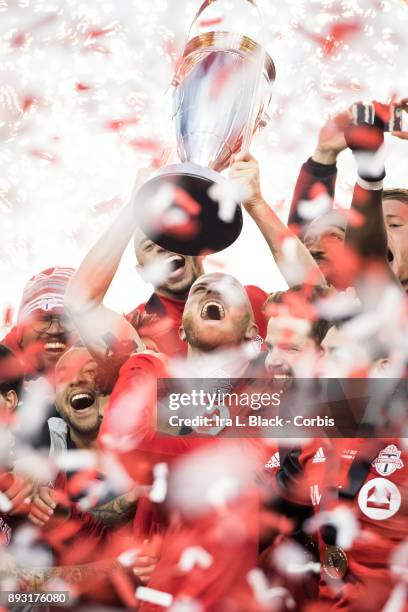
{"points": [[367, 238], [245, 170], [102, 329], [320, 170]]}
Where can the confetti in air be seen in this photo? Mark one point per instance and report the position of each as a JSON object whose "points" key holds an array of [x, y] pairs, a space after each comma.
{"points": [[74, 134], [195, 556], [153, 596]]}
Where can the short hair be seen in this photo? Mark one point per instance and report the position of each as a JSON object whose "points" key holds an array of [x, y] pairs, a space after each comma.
{"points": [[300, 302], [396, 194], [11, 372]]}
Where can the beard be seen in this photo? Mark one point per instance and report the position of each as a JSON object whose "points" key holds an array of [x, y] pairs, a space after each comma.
{"points": [[85, 428], [207, 340], [179, 288]]}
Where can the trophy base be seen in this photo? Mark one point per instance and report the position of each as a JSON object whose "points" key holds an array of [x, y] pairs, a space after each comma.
{"points": [[177, 213]]}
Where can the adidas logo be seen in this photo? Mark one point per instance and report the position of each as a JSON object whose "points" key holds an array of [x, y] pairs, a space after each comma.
{"points": [[319, 456], [274, 461], [348, 454]]}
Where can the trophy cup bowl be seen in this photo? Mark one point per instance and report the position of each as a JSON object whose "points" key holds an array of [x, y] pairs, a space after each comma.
{"points": [[216, 91]]}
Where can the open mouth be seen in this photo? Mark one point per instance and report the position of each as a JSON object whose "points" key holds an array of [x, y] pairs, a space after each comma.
{"points": [[176, 265], [55, 348], [212, 311], [280, 372], [82, 400]]}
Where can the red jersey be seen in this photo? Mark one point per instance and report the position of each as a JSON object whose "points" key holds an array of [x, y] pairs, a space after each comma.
{"points": [[165, 332], [379, 503], [129, 430]]}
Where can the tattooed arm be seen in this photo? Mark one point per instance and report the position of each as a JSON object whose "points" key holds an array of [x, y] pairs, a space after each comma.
{"points": [[116, 512], [85, 575], [35, 579]]}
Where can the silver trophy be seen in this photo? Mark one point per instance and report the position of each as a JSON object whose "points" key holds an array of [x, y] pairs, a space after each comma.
{"points": [[222, 88]]}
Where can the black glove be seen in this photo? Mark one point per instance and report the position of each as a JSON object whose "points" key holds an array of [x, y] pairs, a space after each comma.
{"points": [[365, 140]]}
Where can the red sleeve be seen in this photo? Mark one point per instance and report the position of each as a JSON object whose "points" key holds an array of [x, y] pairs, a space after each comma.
{"points": [[129, 426], [312, 176], [257, 298]]}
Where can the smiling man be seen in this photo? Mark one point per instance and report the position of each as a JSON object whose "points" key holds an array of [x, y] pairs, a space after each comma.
{"points": [[43, 331], [295, 333], [79, 402]]}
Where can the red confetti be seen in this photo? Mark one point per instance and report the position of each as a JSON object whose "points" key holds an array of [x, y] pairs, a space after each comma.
{"points": [[118, 124], [19, 40], [98, 33], [44, 155], [206, 23], [98, 49], [147, 145], [186, 202], [82, 87], [186, 231], [337, 36], [27, 103]]}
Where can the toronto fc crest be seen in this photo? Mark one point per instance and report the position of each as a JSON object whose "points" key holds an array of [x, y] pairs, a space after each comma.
{"points": [[388, 460]]}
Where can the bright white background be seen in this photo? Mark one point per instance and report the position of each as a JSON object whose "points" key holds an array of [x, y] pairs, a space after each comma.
{"points": [[72, 70]]}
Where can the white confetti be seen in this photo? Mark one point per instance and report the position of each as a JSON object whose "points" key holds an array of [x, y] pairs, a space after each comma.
{"points": [[397, 600], [195, 556], [128, 557], [344, 521], [74, 460], [310, 209], [160, 598], [228, 194], [264, 593], [5, 503], [158, 491]]}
